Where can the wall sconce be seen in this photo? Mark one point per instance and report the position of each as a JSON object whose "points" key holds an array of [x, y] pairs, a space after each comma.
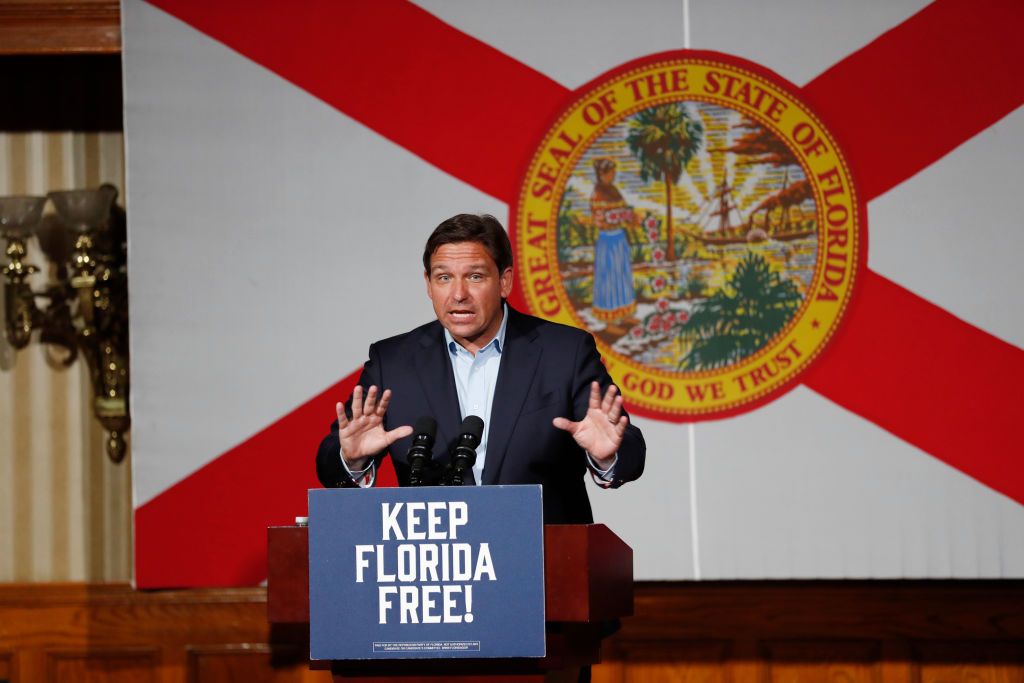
{"points": [[83, 308]]}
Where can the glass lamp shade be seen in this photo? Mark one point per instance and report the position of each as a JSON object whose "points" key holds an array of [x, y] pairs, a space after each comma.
{"points": [[20, 215], [84, 210]]}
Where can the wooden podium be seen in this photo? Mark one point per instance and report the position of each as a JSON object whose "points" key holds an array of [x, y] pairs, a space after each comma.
{"points": [[588, 584]]}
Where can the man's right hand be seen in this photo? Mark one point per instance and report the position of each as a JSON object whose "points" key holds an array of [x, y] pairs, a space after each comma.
{"points": [[363, 436]]}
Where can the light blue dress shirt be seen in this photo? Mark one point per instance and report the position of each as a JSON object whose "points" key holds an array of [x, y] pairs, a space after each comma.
{"points": [[475, 380]]}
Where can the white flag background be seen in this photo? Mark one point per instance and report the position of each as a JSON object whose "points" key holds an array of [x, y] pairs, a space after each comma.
{"points": [[286, 161]]}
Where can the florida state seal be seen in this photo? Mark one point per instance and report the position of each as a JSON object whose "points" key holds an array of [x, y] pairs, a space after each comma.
{"points": [[698, 218]]}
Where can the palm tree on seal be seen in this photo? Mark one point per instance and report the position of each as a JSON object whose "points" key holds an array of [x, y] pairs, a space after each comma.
{"points": [[664, 139], [742, 317]]}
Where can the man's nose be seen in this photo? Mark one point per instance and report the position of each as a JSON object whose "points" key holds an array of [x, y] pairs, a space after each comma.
{"points": [[460, 292]]}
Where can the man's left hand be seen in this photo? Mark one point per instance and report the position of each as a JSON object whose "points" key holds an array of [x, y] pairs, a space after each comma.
{"points": [[600, 432]]}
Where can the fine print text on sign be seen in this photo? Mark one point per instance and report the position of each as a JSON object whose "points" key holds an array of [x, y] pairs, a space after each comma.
{"points": [[426, 572]]}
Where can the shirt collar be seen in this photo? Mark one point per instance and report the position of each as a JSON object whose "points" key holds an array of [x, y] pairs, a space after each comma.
{"points": [[498, 342]]}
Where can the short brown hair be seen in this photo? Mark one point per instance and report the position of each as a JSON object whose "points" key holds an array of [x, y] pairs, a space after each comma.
{"points": [[467, 227]]}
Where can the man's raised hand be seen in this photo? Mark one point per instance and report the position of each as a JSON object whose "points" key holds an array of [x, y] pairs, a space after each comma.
{"points": [[363, 435], [600, 432]]}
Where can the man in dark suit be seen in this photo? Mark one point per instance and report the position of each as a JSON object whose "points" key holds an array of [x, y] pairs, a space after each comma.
{"points": [[550, 410]]}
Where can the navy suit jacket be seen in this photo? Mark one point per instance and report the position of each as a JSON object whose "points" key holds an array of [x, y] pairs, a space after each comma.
{"points": [[546, 371]]}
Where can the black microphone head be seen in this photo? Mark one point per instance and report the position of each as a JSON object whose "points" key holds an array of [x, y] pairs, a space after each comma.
{"points": [[473, 427], [425, 425], [424, 432]]}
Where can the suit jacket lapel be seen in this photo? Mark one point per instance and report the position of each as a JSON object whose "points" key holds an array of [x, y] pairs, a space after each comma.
{"points": [[519, 361], [434, 370]]}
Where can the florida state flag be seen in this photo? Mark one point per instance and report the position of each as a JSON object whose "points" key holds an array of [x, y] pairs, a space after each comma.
{"points": [[792, 228]]}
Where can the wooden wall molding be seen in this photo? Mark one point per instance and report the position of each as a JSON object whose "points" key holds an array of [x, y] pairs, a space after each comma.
{"points": [[714, 632], [109, 632], [6, 666], [955, 610], [128, 664], [821, 632], [250, 662], [39, 27]]}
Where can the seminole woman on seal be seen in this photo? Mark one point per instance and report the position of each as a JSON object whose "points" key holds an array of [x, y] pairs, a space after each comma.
{"points": [[614, 297]]}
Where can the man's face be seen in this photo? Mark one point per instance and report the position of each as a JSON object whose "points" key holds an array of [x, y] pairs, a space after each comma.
{"points": [[466, 289]]}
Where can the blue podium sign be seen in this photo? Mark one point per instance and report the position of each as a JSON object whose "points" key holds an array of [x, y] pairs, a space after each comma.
{"points": [[423, 573]]}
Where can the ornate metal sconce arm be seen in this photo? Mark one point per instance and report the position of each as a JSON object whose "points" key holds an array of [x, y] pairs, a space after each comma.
{"points": [[18, 217], [22, 314]]}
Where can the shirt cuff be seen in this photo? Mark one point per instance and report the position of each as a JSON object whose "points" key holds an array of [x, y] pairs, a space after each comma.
{"points": [[363, 478], [602, 476]]}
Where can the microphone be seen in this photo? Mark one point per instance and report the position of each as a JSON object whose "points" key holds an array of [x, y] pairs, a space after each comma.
{"points": [[421, 451], [465, 449]]}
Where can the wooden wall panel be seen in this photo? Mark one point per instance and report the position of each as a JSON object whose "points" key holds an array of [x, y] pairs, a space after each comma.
{"points": [[959, 662], [6, 667], [758, 632], [686, 662], [248, 662], [822, 662], [129, 665]]}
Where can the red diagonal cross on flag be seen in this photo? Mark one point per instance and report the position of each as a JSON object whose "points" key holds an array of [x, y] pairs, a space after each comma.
{"points": [[894, 361]]}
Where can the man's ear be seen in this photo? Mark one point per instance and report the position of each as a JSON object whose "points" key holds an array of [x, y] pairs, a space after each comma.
{"points": [[506, 283], [426, 281]]}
